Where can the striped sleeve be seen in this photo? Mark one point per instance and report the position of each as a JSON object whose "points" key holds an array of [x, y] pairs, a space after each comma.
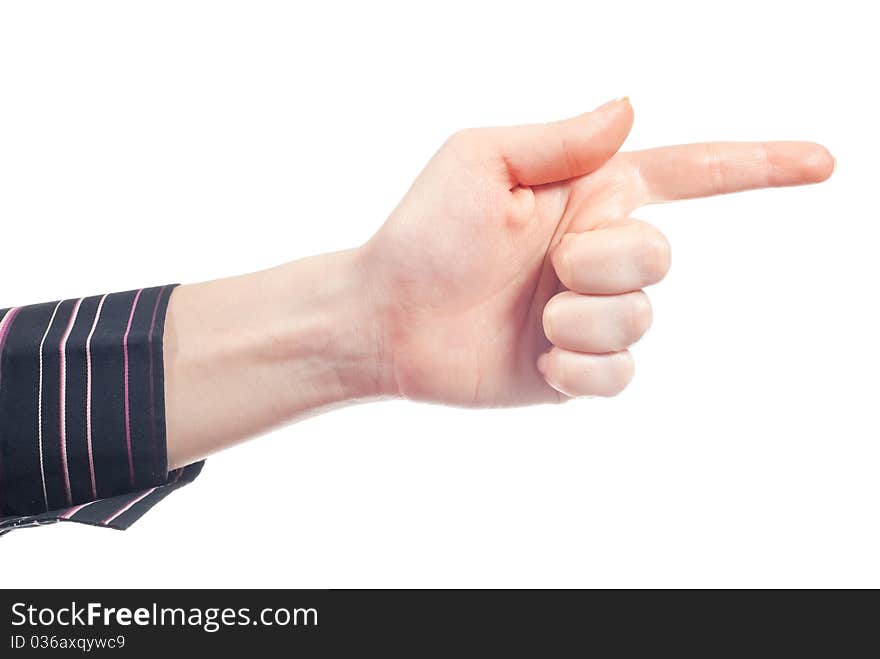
{"points": [[82, 411]]}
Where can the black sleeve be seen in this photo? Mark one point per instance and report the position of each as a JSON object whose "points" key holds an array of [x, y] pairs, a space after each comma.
{"points": [[82, 411]]}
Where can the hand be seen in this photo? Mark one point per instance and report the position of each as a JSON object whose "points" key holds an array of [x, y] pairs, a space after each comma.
{"points": [[511, 272]]}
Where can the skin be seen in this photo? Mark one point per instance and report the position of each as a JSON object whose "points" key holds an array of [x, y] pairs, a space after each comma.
{"points": [[511, 273]]}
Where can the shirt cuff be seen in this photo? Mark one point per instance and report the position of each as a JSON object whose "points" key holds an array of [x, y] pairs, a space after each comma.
{"points": [[82, 411]]}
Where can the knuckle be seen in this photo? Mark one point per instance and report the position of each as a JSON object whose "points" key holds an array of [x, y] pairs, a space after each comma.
{"points": [[641, 315], [561, 260], [465, 140], [557, 373], [655, 255], [555, 316], [714, 167], [623, 370]]}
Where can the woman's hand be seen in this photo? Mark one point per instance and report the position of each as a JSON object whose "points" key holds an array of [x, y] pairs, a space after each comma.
{"points": [[512, 272]]}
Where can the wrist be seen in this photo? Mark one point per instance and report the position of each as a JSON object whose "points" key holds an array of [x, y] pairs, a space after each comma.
{"points": [[329, 330], [246, 354]]}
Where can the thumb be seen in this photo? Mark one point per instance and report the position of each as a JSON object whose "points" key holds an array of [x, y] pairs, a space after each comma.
{"points": [[546, 153]]}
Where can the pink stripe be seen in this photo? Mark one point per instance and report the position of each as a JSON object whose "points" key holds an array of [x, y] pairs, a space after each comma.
{"points": [[62, 350], [70, 512], [127, 402], [129, 505], [89, 396], [143, 496], [5, 325]]}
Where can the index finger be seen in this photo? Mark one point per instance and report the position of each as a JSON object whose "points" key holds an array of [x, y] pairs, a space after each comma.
{"points": [[711, 168]]}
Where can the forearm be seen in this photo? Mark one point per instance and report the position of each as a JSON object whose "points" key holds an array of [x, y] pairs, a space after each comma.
{"points": [[247, 354]]}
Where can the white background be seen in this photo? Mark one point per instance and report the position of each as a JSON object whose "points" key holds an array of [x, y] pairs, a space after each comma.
{"points": [[149, 142]]}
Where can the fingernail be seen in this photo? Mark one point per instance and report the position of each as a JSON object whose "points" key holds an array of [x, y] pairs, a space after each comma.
{"points": [[616, 101], [833, 165], [542, 363]]}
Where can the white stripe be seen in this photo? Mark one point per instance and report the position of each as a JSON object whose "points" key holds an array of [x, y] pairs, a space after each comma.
{"points": [[89, 395], [40, 407]]}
